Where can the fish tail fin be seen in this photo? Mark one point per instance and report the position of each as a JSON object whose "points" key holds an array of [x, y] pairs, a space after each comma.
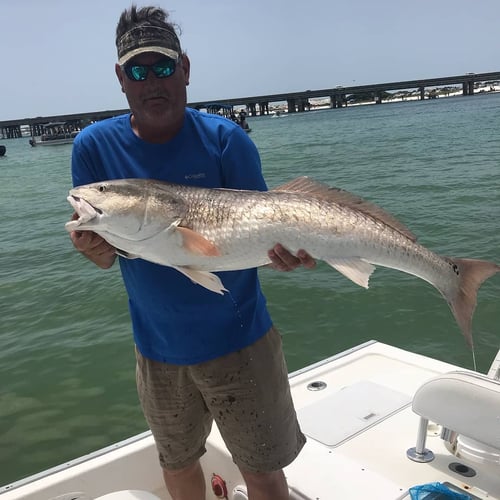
{"points": [[472, 273]]}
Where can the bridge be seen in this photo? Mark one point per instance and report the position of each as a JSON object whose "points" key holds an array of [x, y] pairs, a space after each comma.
{"points": [[296, 101]]}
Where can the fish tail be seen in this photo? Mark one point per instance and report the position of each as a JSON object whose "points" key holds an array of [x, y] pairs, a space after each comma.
{"points": [[472, 273]]}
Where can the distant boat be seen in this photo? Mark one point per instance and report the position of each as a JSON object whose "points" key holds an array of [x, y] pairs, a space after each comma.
{"points": [[226, 110], [3, 149], [54, 134]]}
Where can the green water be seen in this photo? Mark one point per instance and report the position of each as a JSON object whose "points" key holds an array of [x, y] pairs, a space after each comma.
{"points": [[66, 358]]}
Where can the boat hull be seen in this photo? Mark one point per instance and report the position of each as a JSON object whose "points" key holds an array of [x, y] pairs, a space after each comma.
{"points": [[37, 141]]}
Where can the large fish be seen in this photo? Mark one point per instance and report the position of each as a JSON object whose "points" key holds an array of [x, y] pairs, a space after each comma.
{"points": [[199, 230]]}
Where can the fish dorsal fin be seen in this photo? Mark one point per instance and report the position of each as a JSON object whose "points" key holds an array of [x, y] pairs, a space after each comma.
{"points": [[304, 184], [322, 191]]}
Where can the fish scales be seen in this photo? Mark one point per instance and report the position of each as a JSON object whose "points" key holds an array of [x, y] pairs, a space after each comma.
{"points": [[253, 223], [246, 226]]}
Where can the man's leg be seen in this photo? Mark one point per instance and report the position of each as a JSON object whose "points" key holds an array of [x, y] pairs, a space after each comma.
{"points": [[249, 395], [180, 423], [186, 483], [266, 485]]}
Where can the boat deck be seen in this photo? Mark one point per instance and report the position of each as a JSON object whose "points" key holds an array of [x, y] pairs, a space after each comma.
{"points": [[355, 408], [360, 448]]}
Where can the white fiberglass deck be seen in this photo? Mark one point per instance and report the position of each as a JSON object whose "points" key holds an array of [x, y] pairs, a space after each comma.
{"points": [[360, 424]]}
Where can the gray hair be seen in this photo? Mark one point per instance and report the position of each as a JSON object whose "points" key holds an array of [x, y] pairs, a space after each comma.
{"points": [[145, 16]]}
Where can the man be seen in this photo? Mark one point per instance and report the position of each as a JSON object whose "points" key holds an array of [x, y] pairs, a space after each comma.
{"points": [[200, 356]]}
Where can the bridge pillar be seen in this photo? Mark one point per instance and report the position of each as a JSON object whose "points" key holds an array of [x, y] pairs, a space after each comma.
{"points": [[422, 92], [252, 109], [303, 104], [11, 132], [36, 129], [466, 88], [291, 105], [263, 108], [378, 98], [337, 100]]}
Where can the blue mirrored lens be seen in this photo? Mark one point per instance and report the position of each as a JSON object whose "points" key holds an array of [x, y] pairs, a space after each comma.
{"points": [[162, 69], [139, 72]]}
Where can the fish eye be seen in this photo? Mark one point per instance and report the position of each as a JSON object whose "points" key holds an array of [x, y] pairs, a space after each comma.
{"points": [[102, 188]]}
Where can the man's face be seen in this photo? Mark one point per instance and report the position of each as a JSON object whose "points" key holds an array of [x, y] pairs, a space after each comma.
{"points": [[156, 102]]}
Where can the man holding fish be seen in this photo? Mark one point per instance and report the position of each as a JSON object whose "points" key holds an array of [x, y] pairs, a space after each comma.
{"points": [[200, 355], [148, 189]]}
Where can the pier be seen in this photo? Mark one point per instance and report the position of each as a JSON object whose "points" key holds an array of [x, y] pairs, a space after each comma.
{"points": [[338, 97]]}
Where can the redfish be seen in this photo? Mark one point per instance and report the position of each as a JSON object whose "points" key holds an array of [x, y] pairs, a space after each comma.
{"points": [[199, 231]]}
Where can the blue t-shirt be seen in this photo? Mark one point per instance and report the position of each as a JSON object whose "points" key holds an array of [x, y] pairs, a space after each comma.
{"points": [[175, 320]]}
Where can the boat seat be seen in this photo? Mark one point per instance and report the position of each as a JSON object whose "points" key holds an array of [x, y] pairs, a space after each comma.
{"points": [[465, 402], [128, 495]]}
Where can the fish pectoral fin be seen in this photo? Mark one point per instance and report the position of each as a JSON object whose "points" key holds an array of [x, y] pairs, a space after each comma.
{"points": [[204, 278], [196, 243], [72, 225], [357, 270]]}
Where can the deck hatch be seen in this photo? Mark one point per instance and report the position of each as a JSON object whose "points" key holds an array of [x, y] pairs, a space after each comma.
{"points": [[343, 414]]}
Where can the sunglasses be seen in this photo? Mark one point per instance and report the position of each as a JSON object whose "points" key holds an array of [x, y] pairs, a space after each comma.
{"points": [[163, 68]]}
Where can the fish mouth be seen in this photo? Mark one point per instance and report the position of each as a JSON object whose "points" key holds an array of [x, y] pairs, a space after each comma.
{"points": [[85, 211]]}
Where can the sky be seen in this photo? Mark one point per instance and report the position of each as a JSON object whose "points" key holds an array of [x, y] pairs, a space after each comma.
{"points": [[58, 56]]}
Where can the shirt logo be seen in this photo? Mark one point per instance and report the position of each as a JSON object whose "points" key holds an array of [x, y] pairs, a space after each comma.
{"points": [[200, 175]]}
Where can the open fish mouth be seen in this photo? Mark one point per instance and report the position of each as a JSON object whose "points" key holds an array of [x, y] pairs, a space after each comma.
{"points": [[85, 211]]}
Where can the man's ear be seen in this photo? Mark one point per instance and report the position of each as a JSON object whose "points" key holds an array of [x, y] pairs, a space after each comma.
{"points": [[186, 67], [119, 75]]}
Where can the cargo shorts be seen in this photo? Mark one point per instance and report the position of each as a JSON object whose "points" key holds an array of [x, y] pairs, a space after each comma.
{"points": [[246, 392]]}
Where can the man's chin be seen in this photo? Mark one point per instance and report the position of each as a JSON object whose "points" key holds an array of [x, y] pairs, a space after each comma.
{"points": [[157, 109]]}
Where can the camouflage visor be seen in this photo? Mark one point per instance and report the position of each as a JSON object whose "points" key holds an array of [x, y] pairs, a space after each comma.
{"points": [[147, 39]]}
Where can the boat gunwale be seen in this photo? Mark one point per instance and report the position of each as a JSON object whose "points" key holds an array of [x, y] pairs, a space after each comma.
{"points": [[75, 462], [147, 434]]}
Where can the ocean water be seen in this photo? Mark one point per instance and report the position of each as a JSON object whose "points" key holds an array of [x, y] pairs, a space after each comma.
{"points": [[66, 355]]}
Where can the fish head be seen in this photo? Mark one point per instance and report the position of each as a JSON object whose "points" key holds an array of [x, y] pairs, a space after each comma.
{"points": [[122, 208]]}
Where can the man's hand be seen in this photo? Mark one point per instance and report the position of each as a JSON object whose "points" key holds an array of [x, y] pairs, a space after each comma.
{"points": [[94, 247], [283, 260]]}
